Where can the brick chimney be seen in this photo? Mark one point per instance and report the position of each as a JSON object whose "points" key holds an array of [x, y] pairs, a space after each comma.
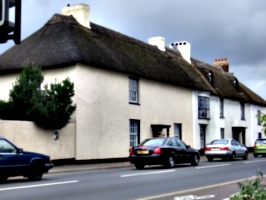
{"points": [[80, 11], [222, 62]]}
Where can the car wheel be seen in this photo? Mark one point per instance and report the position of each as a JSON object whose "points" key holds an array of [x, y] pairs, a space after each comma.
{"points": [[210, 159], [245, 157], [170, 162], [233, 156], [195, 160], [255, 155], [139, 166], [35, 172]]}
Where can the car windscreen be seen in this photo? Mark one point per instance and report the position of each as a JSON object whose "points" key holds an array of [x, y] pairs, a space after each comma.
{"points": [[214, 142], [153, 142], [261, 142]]}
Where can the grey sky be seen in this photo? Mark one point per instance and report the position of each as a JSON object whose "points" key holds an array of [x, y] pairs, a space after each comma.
{"points": [[232, 29]]}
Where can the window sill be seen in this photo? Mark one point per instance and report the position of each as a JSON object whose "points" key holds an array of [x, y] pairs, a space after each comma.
{"points": [[134, 103], [205, 118]]}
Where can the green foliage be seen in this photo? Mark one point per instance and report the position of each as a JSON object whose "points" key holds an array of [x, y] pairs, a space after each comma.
{"points": [[262, 119], [251, 190], [54, 109], [24, 92], [6, 111], [50, 108]]}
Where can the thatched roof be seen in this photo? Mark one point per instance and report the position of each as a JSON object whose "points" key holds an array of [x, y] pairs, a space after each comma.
{"points": [[62, 42]]}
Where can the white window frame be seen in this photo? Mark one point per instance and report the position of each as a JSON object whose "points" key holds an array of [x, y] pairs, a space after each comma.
{"points": [[133, 132], [133, 90], [203, 107]]}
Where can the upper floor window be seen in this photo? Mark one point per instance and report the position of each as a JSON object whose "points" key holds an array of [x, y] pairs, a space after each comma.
{"points": [[133, 90], [258, 117], [242, 111], [204, 107], [210, 74], [221, 108], [235, 83]]}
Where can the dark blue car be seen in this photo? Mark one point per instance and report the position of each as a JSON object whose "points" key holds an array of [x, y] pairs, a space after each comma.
{"points": [[16, 162]]}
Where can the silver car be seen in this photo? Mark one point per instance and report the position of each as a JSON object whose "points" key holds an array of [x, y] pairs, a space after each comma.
{"points": [[225, 149]]}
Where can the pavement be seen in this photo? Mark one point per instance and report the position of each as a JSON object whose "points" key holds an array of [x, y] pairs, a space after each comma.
{"points": [[88, 167], [98, 166]]}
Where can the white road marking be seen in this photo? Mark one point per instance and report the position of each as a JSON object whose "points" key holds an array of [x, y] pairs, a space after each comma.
{"points": [[194, 189], [147, 173], [247, 162], [212, 166], [40, 185]]}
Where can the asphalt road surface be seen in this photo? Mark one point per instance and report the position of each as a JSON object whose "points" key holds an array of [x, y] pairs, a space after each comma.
{"points": [[215, 180]]}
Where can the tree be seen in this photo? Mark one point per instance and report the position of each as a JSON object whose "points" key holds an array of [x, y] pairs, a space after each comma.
{"points": [[54, 109], [24, 93], [262, 119], [51, 108]]}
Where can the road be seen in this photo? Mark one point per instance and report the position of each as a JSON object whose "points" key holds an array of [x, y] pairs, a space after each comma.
{"points": [[209, 178]]}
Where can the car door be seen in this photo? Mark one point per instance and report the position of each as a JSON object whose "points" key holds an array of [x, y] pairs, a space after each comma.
{"points": [[241, 149], [176, 149], [184, 154], [237, 148], [10, 159]]}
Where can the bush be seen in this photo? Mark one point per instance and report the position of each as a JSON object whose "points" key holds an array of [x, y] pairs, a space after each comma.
{"points": [[251, 190]]}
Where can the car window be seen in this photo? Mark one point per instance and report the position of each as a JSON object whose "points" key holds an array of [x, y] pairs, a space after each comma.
{"points": [[237, 143], [154, 142], [181, 143], [172, 143], [261, 142], [214, 142], [6, 147]]}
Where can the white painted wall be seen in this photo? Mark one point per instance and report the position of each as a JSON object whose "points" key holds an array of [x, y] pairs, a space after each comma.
{"points": [[104, 111], [232, 118], [28, 136]]}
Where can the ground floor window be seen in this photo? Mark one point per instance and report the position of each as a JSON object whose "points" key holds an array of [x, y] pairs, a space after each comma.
{"points": [[134, 132], [178, 131], [202, 136], [222, 133]]}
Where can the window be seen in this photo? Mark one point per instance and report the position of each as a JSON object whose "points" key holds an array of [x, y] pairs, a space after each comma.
{"points": [[210, 74], [258, 117], [222, 133], [6, 147], [221, 108], [133, 90], [235, 83], [259, 135], [204, 108], [242, 105], [178, 131], [134, 129]]}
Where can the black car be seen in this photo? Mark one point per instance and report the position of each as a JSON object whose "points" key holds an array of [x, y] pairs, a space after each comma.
{"points": [[163, 151], [16, 162]]}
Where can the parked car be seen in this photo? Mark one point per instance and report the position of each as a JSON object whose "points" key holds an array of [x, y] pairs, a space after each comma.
{"points": [[259, 147], [166, 151], [225, 149], [16, 162]]}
